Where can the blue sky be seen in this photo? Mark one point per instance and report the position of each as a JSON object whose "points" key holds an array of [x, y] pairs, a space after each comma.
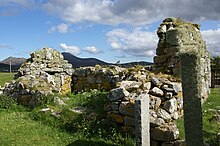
{"points": [[109, 30]]}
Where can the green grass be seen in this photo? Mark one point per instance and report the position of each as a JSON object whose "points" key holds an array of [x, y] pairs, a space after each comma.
{"points": [[5, 77], [210, 127], [22, 126], [17, 128]]}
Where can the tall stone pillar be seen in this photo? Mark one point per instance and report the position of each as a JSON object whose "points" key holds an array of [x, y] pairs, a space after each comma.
{"points": [[191, 81], [142, 121]]}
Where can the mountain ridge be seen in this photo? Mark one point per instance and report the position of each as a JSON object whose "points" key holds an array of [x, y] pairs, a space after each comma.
{"points": [[75, 61]]}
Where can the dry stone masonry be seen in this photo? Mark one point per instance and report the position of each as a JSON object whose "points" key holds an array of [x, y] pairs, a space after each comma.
{"points": [[102, 78], [165, 105], [46, 72], [175, 34]]}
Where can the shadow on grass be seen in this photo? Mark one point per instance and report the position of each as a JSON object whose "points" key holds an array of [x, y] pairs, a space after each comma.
{"points": [[211, 138], [89, 143]]}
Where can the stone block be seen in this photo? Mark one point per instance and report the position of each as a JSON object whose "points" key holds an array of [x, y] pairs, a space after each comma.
{"points": [[154, 102], [156, 82], [129, 121], [116, 117], [127, 108], [147, 86], [161, 113], [170, 105], [156, 92], [118, 93], [128, 130], [164, 133]]}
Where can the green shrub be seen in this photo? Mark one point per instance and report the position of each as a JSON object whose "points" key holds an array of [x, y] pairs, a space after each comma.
{"points": [[6, 101]]}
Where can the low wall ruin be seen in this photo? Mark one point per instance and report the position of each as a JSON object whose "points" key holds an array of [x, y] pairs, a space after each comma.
{"points": [[101, 78]]}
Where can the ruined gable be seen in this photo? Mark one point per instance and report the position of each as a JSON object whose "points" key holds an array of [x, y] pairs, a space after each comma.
{"points": [[46, 72]]}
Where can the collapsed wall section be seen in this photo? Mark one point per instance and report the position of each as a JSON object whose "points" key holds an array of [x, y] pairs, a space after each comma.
{"points": [[175, 35]]}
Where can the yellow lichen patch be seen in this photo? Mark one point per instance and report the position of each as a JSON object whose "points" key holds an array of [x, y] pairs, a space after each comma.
{"points": [[116, 117]]}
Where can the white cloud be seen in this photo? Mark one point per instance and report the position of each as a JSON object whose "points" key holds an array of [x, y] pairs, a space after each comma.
{"points": [[136, 42], [70, 49], [92, 50], [132, 11], [62, 28], [212, 38], [24, 3], [5, 46], [13, 7]]}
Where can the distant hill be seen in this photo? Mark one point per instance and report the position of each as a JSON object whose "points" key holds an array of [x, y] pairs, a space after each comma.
{"points": [[15, 63], [80, 62], [75, 61], [130, 64]]}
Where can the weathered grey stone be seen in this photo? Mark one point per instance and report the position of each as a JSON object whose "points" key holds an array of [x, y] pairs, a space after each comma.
{"points": [[153, 113], [154, 122], [165, 132], [79, 110], [127, 108], [156, 91], [216, 118], [177, 87], [132, 95], [130, 85], [191, 80], [129, 121], [118, 93], [175, 115], [161, 113], [46, 110], [147, 86], [167, 89], [168, 95], [179, 103], [91, 79], [156, 82], [142, 126], [58, 101], [154, 102], [170, 105], [114, 107]]}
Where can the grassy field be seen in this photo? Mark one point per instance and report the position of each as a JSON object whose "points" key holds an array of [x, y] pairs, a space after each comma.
{"points": [[22, 126], [5, 77], [210, 127]]}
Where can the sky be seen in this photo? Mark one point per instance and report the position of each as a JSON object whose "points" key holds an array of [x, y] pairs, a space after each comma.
{"points": [[109, 30]]}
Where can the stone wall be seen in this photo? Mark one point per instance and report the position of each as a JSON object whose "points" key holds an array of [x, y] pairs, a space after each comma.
{"points": [[175, 34], [102, 78], [46, 72], [166, 105]]}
